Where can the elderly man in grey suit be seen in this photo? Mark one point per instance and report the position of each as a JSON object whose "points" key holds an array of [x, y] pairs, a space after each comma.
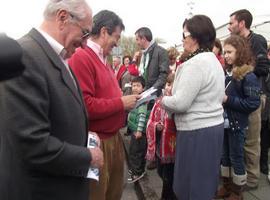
{"points": [[43, 122]]}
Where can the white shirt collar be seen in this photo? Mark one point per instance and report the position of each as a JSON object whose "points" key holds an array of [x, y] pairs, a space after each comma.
{"points": [[57, 47]]}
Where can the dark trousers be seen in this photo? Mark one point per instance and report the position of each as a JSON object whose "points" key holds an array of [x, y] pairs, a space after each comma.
{"points": [[137, 151], [265, 144], [233, 150], [165, 171]]}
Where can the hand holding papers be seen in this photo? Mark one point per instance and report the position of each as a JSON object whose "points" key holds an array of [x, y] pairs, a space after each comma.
{"points": [[92, 142]]}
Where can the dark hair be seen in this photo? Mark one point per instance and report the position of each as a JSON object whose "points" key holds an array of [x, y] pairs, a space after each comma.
{"points": [[243, 50], [217, 44], [202, 29], [107, 19], [244, 15], [138, 79], [144, 32], [126, 56]]}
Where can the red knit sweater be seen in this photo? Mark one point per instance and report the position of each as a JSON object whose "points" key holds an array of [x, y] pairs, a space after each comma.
{"points": [[101, 93]]}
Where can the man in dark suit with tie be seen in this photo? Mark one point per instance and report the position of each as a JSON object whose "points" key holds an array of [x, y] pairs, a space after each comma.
{"points": [[43, 122]]}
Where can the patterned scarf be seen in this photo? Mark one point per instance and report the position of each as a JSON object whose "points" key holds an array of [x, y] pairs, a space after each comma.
{"points": [[166, 150], [145, 60], [200, 50], [143, 65]]}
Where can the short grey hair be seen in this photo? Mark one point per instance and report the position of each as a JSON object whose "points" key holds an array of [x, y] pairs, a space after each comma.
{"points": [[75, 7]]}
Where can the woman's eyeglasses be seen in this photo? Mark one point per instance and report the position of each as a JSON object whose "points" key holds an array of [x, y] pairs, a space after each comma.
{"points": [[186, 34]]}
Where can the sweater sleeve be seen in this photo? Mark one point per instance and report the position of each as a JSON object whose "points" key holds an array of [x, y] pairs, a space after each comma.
{"points": [[187, 85], [259, 48], [97, 108], [142, 117], [251, 99]]}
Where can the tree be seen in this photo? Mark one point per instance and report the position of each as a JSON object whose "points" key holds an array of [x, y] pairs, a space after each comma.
{"points": [[128, 45], [160, 41]]}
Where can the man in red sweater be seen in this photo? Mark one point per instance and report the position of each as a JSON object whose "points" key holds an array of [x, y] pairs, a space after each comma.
{"points": [[103, 98]]}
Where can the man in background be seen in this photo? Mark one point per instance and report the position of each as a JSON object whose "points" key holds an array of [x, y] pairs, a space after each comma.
{"points": [[116, 64], [154, 65], [240, 23]]}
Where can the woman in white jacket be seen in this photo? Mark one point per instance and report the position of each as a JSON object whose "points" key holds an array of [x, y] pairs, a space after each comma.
{"points": [[196, 103]]}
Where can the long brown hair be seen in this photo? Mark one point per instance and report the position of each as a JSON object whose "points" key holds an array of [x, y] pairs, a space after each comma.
{"points": [[243, 50]]}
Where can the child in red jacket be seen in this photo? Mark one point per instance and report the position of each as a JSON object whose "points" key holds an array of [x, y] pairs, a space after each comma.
{"points": [[161, 138]]}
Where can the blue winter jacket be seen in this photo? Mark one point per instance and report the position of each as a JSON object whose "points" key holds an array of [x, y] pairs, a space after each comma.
{"points": [[243, 91]]}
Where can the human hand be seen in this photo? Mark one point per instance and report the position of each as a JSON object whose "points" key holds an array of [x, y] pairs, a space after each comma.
{"points": [[138, 134], [97, 157], [169, 92], [136, 55], [129, 101], [225, 98]]}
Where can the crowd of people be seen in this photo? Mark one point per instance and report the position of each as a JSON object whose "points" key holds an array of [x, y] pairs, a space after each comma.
{"points": [[206, 120]]}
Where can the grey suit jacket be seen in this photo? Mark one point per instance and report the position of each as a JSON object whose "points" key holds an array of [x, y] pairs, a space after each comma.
{"points": [[43, 127], [158, 67]]}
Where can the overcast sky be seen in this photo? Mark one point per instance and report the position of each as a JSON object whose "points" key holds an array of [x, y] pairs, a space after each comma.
{"points": [[164, 18]]}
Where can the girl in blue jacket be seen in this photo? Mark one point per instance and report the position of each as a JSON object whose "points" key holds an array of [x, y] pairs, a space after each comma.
{"points": [[242, 97]]}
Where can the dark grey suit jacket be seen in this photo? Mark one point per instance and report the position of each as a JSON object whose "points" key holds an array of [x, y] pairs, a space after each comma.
{"points": [[158, 67], [43, 127]]}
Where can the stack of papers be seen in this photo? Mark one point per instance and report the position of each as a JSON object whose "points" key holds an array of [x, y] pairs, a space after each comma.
{"points": [[147, 95], [93, 173]]}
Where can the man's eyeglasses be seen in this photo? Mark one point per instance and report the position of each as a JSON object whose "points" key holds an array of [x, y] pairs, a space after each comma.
{"points": [[186, 34], [85, 32]]}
